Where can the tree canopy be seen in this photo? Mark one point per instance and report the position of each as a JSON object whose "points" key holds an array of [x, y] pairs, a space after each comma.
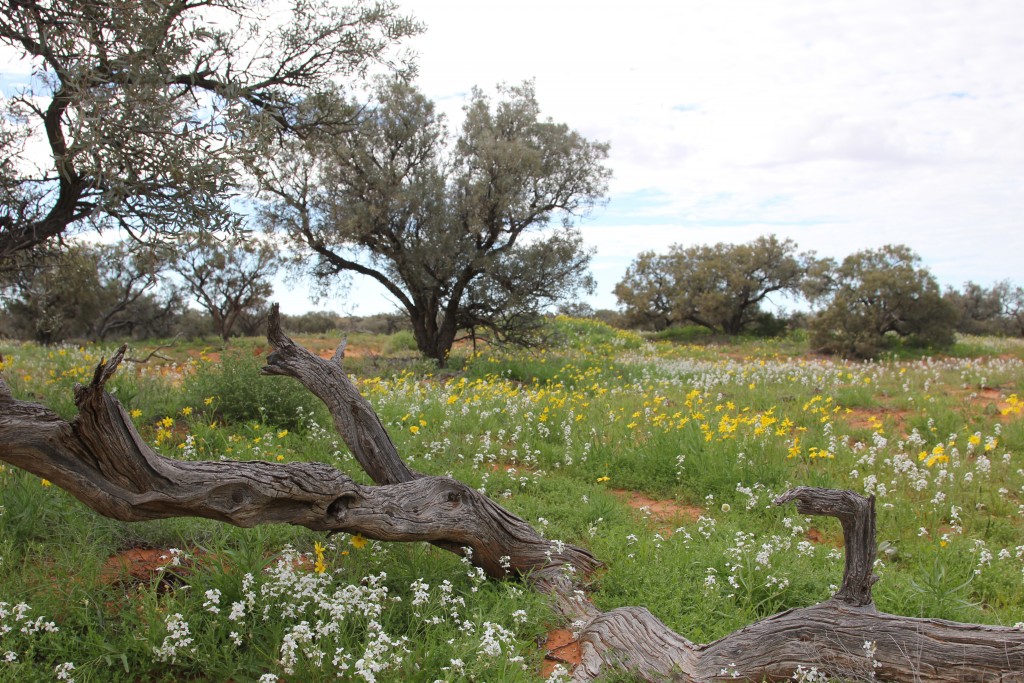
{"points": [[228, 275], [85, 291], [720, 287], [878, 292], [469, 233], [150, 112]]}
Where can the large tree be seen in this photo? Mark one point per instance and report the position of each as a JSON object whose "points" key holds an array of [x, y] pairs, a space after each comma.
{"points": [[150, 111], [720, 287], [875, 295], [469, 233]]}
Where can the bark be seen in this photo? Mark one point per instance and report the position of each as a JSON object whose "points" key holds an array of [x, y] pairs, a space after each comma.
{"points": [[100, 458], [842, 637]]}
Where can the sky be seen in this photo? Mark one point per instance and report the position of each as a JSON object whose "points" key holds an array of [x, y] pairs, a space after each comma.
{"points": [[840, 124]]}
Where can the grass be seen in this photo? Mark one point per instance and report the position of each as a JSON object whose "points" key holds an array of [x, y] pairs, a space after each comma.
{"points": [[564, 436]]}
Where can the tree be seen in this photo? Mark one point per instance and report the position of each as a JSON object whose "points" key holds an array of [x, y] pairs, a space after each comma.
{"points": [[152, 110], [128, 273], [647, 291], [876, 294], [458, 232], [102, 460], [229, 275], [995, 310], [1015, 309], [85, 291], [720, 287]]}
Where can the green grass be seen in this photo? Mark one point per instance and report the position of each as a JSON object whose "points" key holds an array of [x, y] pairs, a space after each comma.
{"points": [[562, 436]]}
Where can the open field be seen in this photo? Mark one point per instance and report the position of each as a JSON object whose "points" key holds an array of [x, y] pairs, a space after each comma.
{"points": [[660, 458]]}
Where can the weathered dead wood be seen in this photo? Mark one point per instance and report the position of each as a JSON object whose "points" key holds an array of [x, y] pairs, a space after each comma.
{"points": [[843, 637], [100, 458], [840, 640], [856, 514]]}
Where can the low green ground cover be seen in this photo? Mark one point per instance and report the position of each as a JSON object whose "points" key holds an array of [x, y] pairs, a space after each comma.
{"points": [[663, 458]]}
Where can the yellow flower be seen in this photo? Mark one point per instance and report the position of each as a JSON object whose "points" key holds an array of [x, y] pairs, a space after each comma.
{"points": [[186, 411], [414, 429], [319, 566], [280, 458], [136, 413], [167, 423], [45, 482], [208, 400], [283, 433], [600, 479], [357, 542]]}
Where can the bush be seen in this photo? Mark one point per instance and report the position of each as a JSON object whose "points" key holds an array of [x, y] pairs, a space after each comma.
{"points": [[403, 340], [242, 394]]}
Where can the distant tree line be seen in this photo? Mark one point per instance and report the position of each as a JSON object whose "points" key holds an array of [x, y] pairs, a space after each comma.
{"points": [[96, 292], [858, 306]]}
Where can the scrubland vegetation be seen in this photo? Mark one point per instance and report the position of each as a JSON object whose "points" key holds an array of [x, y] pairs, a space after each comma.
{"points": [[661, 458]]}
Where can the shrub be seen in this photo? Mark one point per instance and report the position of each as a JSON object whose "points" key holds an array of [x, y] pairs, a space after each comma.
{"points": [[242, 394]]}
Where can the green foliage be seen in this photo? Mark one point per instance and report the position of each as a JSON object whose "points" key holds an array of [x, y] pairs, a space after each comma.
{"points": [[241, 394], [876, 297], [150, 119], [442, 223], [228, 275], [720, 287], [85, 291], [403, 340], [988, 311]]}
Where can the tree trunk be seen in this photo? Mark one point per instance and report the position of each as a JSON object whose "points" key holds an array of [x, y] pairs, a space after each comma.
{"points": [[100, 459]]}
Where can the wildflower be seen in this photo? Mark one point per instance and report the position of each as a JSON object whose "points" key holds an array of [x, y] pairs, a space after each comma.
{"points": [[45, 482], [166, 423], [603, 479], [208, 400], [283, 433], [186, 411], [280, 458], [726, 507], [414, 429], [319, 566], [63, 672], [136, 413], [357, 542]]}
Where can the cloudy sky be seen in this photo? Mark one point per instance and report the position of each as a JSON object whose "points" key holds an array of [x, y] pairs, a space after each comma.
{"points": [[842, 124]]}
